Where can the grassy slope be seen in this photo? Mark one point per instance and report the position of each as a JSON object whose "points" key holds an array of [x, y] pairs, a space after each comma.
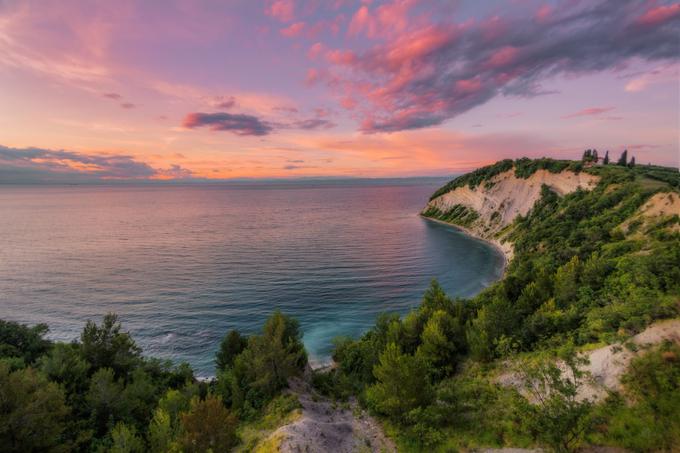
{"points": [[577, 278]]}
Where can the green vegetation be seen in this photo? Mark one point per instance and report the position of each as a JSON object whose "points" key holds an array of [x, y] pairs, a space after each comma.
{"points": [[99, 393], [474, 178], [588, 270], [647, 416], [579, 278], [524, 168], [458, 214]]}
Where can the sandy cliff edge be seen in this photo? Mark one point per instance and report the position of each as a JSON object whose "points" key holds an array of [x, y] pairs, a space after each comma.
{"points": [[503, 197]]}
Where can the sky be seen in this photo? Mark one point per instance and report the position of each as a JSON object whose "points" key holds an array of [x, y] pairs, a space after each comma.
{"points": [[203, 90]]}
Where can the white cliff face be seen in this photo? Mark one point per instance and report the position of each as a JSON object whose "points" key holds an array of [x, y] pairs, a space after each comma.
{"points": [[509, 196]]}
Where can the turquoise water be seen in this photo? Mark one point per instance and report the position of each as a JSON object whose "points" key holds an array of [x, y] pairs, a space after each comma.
{"points": [[181, 265]]}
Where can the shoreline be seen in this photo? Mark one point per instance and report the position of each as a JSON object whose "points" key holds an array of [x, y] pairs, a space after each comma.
{"points": [[505, 251]]}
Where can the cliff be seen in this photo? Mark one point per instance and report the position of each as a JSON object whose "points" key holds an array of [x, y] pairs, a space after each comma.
{"points": [[486, 206]]}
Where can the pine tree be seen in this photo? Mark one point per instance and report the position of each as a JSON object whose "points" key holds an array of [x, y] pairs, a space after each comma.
{"points": [[586, 156], [632, 162], [623, 160], [594, 155], [605, 161]]}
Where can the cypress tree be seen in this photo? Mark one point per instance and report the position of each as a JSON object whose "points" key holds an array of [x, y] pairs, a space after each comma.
{"points": [[623, 160]]}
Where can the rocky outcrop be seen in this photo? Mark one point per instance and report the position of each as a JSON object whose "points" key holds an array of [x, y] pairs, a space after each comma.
{"points": [[485, 210]]}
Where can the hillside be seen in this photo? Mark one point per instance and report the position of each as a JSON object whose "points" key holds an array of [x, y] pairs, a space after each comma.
{"points": [[576, 348], [488, 200], [596, 252]]}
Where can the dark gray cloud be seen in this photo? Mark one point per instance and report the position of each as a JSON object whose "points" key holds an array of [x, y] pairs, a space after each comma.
{"points": [[297, 167], [225, 102], [435, 72], [243, 124], [312, 124], [237, 123], [27, 165], [114, 96], [127, 105]]}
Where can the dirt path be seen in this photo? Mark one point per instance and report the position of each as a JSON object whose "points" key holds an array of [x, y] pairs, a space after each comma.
{"points": [[328, 427]]}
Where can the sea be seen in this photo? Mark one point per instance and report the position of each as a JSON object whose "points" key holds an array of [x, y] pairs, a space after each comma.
{"points": [[181, 265]]}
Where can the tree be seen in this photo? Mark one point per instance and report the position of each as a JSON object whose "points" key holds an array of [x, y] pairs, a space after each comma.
{"points": [[106, 346], [138, 398], [401, 386], [438, 348], [32, 412], [594, 156], [605, 161], [125, 440], [435, 298], [232, 345], [270, 359], [554, 414], [103, 399], [586, 156], [566, 281], [175, 402], [208, 426], [18, 340], [162, 433], [631, 164], [623, 160], [65, 366]]}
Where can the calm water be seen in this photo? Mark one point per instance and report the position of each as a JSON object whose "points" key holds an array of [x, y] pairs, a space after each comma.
{"points": [[182, 265]]}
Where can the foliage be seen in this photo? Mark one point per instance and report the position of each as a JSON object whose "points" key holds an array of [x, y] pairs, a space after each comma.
{"points": [[106, 346], [587, 269], [32, 412], [207, 426], [524, 168], [457, 214], [578, 277], [232, 345], [124, 439], [283, 409], [555, 416], [401, 385], [26, 343], [265, 366], [648, 417], [476, 177]]}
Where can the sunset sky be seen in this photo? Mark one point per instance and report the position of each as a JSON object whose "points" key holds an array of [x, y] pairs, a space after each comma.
{"points": [[94, 91]]}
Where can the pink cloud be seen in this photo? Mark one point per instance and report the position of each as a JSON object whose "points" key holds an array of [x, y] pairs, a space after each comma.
{"points": [[468, 85], [360, 21], [433, 70], [388, 19], [341, 57], [282, 10], [316, 50], [663, 74], [293, 30], [503, 56], [592, 111], [313, 76], [659, 15], [543, 13]]}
